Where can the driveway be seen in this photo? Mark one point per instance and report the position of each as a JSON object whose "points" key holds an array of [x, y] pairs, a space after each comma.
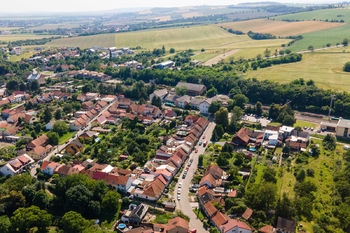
{"points": [[184, 204]]}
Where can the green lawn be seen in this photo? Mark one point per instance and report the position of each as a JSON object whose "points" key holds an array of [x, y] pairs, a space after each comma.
{"points": [[303, 124], [323, 67], [66, 137], [260, 170], [275, 124], [163, 218]]}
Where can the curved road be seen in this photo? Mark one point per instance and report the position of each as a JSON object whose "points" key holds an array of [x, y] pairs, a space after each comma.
{"points": [[184, 203]]}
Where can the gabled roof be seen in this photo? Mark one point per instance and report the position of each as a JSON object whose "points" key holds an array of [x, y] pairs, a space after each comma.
{"points": [[210, 208], [243, 134], [220, 219], [247, 213], [208, 178], [232, 223], [267, 229], [191, 86], [154, 189], [177, 222], [215, 171], [40, 141]]}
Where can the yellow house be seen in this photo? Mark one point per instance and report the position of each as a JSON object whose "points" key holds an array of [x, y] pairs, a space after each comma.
{"points": [[343, 127], [74, 147]]}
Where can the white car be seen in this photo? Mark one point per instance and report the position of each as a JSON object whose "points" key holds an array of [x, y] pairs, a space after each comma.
{"points": [[178, 197]]}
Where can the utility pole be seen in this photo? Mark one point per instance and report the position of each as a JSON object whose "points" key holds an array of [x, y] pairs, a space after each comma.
{"points": [[330, 107]]}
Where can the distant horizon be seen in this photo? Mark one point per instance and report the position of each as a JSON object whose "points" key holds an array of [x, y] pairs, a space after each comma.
{"points": [[26, 7]]}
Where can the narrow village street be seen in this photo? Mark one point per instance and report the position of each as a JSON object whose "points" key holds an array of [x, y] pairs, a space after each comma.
{"points": [[184, 203]]}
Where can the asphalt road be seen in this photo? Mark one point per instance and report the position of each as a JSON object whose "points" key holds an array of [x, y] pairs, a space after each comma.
{"points": [[184, 203], [59, 148]]}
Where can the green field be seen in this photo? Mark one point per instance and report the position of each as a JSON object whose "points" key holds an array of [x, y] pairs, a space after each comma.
{"points": [[214, 39], [330, 14], [319, 39], [15, 37], [179, 38], [101, 40], [324, 67]]}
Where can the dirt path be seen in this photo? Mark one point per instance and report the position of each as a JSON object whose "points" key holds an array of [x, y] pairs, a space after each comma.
{"points": [[216, 59]]}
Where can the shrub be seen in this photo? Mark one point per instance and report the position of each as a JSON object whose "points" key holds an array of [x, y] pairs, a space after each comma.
{"points": [[347, 67]]}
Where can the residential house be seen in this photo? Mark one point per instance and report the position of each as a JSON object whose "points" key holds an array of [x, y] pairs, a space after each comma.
{"points": [[174, 225], [100, 77], [192, 88], [120, 182], [135, 214], [166, 64], [48, 167], [74, 147], [16, 166], [204, 107], [342, 129], [183, 101], [88, 135], [235, 226], [162, 93], [40, 141], [298, 141], [40, 78]]}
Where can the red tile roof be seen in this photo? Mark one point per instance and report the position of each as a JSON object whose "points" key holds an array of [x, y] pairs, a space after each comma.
{"points": [[232, 223], [267, 229], [247, 213], [210, 208], [220, 219]]}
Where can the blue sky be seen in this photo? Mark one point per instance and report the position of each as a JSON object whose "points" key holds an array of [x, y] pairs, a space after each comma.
{"points": [[11, 6]]}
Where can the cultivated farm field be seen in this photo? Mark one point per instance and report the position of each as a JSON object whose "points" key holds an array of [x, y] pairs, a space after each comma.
{"points": [[179, 38], [326, 14], [15, 37], [213, 39], [323, 67], [102, 40], [319, 39], [279, 28]]}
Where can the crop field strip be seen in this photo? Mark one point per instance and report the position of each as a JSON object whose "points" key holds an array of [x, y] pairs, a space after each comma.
{"points": [[279, 28]]}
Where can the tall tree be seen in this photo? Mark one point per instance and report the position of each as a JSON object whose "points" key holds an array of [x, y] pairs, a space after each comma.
{"points": [[221, 117], [73, 222], [24, 219], [110, 204]]}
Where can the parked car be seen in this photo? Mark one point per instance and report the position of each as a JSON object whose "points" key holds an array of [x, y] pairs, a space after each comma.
{"points": [[196, 150]]}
